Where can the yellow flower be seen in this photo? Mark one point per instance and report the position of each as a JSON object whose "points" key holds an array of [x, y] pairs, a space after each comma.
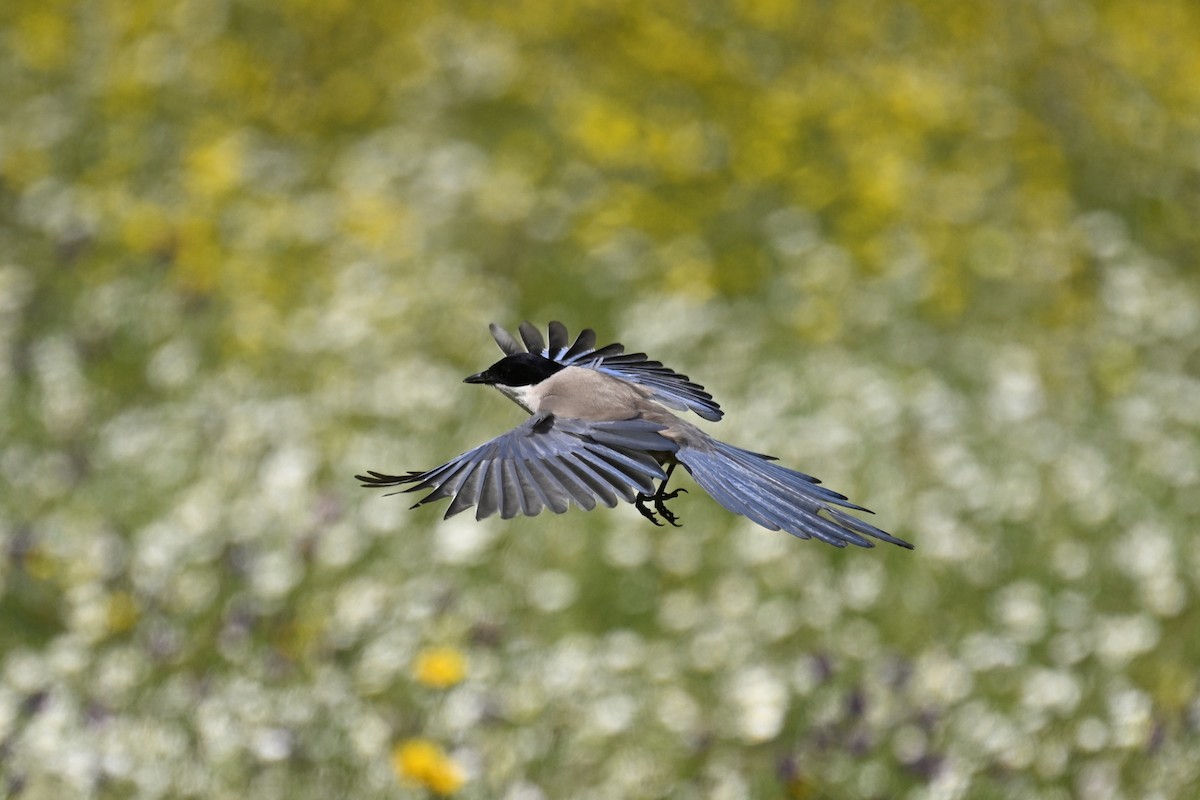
{"points": [[440, 667], [215, 166], [424, 762]]}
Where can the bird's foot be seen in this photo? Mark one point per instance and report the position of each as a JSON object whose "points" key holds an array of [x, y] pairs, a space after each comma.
{"points": [[659, 499], [640, 505]]}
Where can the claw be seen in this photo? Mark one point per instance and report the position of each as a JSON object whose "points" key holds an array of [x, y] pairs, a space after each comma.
{"points": [[640, 505], [661, 507], [659, 499]]}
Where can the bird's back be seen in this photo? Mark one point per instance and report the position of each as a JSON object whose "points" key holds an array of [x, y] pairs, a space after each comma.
{"points": [[581, 393]]}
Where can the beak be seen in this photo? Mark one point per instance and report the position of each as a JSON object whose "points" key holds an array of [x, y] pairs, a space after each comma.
{"points": [[479, 377]]}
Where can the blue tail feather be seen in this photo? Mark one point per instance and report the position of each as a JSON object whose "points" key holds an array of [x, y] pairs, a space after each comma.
{"points": [[776, 497]]}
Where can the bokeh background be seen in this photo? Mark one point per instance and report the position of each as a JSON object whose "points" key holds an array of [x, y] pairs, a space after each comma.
{"points": [[941, 254]]}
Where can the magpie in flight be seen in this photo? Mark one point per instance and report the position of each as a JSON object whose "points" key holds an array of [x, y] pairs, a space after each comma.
{"points": [[602, 429]]}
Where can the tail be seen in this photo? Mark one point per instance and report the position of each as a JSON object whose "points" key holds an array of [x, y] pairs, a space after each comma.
{"points": [[776, 497]]}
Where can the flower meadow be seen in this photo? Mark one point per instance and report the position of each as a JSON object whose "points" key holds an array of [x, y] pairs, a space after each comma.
{"points": [[940, 255]]}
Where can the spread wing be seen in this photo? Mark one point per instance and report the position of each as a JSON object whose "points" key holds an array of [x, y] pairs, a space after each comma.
{"points": [[668, 386], [545, 463]]}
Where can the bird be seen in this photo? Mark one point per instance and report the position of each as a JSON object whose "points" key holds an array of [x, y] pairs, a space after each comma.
{"points": [[601, 428]]}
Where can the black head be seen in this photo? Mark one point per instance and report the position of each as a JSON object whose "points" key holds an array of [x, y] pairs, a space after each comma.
{"points": [[522, 369]]}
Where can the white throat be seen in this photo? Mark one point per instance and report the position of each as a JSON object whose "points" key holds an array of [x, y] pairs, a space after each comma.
{"points": [[525, 396]]}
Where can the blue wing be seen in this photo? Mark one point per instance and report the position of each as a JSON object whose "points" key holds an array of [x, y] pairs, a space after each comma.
{"points": [[669, 387], [545, 463]]}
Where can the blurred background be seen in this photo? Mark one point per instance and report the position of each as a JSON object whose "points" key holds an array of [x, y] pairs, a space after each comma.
{"points": [[940, 254]]}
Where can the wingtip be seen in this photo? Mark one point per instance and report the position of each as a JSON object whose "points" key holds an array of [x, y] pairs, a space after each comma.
{"points": [[379, 480]]}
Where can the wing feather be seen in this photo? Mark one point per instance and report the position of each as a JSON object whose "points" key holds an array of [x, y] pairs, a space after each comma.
{"points": [[491, 495], [507, 343], [532, 338], [585, 343], [559, 339], [468, 492], [576, 488], [551, 492], [595, 483]]}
